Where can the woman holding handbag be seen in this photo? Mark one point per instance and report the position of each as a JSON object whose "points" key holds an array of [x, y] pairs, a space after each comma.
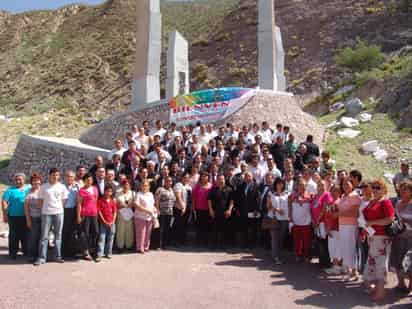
{"points": [[401, 253], [277, 206], [378, 214], [124, 225]]}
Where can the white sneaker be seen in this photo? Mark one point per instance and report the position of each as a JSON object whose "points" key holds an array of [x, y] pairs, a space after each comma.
{"points": [[334, 270]]}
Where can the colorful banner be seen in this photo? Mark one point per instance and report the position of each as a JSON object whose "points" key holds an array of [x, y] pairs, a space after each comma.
{"points": [[208, 105]]}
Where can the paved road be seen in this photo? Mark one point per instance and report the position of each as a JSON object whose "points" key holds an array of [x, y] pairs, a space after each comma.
{"points": [[172, 279]]}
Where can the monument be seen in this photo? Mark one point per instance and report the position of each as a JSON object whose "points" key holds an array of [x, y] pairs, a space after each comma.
{"points": [[280, 60], [177, 81], [271, 54], [146, 84], [39, 153]]}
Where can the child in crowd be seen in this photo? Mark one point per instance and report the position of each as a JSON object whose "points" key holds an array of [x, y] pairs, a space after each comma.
{"points": [[107, 217]]}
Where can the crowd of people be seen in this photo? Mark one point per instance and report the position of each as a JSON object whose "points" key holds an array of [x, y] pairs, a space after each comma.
{"points": [[245, 187]]}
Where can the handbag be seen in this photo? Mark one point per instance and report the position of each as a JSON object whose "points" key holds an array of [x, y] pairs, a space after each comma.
{"points": [[395, 228], [269, 223]]}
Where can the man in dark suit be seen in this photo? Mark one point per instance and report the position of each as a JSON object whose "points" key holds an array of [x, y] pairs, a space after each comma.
{"points": [[312, 149], [248, 210], [183, 162], [100, 181], [98, 162], [279, 153], [116, 165]]}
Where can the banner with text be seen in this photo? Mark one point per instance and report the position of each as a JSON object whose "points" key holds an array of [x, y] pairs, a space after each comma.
{"points": [[208, 105]]}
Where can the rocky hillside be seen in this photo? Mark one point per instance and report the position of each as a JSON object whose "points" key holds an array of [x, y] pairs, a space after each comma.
{"points": [[81, 58]]}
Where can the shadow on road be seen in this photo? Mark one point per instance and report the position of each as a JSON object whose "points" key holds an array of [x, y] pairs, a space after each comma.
{"points": [[329, 292]]}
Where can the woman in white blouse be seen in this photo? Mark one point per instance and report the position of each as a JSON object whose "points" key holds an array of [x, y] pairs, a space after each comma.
{"points": [[144, 216], [124, 222], [277, 206]]}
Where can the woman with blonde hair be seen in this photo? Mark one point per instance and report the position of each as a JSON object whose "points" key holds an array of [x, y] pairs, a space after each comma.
{"points": [[378, 214]]}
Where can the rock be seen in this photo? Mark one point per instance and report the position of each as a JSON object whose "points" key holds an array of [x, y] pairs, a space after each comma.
{"points": [[349, 122], [370, 147], [344, 90], [3, 118], [353, 107], [336, 106], [348, 133], [380, 155], [333, 124], [364, 117], [92, 120]]}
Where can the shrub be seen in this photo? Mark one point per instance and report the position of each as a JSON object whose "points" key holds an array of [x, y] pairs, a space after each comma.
{"points": [[362, 57]]}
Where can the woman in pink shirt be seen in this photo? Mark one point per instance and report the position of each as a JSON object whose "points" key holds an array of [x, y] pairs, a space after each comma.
{"points": [[87, 215], [319, 201], [201, 208], [348, 228]]}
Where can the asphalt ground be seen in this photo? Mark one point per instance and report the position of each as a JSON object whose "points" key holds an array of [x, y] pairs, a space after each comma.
{"points": [[189, 278]]}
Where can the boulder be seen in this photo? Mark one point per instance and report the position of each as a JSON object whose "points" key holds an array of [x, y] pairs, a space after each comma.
{"points": [[370, 147], [336, 106], [349, 122], [353, 107], [344, 90], [333, 124], [380, 155], [364, 117], [348, 133]]}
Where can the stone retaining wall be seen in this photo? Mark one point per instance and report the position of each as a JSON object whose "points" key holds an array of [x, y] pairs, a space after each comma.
{"points": [[274, 107], [278, 107], [39, 154], [103, 134]]}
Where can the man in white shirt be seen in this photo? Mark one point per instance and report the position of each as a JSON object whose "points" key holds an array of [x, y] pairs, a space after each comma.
{"points": [[204, 136], [266, 133], [118, 149], [277, 133], [311, 186], [159, 130], [154, 155], [52, 197], [256, 170]]}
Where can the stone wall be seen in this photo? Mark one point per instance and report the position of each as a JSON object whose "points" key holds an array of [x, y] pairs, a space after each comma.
{"points": [[39, 154], [274, 107], [278, 107], [103, 134]]}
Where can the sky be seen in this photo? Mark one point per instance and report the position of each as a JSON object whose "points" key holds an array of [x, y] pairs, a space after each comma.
{"points": [[17, 6]]}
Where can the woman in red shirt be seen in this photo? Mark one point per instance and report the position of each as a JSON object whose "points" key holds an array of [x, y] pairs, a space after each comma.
{"points": [[378, 214], [87, 215]]}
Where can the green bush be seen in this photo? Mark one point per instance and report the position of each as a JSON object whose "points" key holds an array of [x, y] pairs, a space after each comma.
{"points": [[362, 57]]}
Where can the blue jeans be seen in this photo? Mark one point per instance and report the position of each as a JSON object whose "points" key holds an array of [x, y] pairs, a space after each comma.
{"points": [[34, 237], [47, 221], [106, 237]]}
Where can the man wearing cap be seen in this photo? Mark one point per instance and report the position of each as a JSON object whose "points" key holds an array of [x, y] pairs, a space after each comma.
{"points": [[402, 175], [13, 214]]}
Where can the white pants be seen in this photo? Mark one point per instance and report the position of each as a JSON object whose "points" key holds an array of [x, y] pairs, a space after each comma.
{"points": [[333, 245], [348, 235]]}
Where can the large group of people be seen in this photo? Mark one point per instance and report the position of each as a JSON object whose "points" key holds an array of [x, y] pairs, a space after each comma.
{"points": [[246, 187]]}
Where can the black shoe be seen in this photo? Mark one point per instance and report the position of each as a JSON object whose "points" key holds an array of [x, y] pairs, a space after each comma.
{"points": [[59, 260]]}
